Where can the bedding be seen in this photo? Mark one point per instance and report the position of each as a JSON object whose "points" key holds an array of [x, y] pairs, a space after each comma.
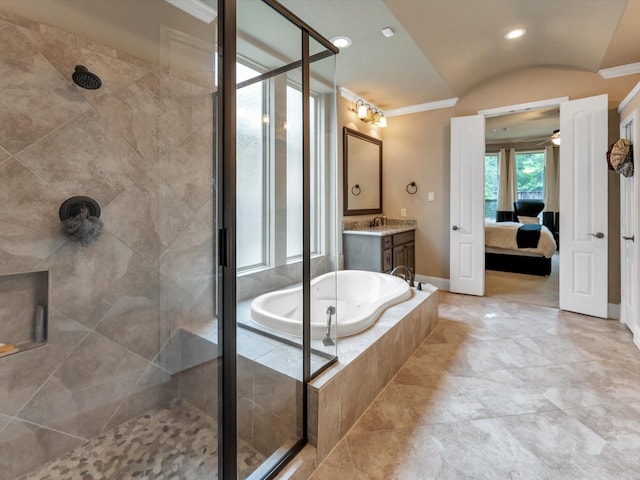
{"points": [[503, 235]]}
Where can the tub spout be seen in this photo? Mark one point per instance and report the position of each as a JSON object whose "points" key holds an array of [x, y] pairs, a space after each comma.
{"points": [[406, 273], [327, 341]]}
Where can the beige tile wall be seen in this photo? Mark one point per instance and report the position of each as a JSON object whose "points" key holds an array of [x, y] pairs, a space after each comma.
{"points": [[142, 146], [340, 395]]}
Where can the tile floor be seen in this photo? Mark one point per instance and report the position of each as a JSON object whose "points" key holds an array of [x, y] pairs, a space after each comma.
{"points": [[519, 287], [503, 390], [178, 442]]}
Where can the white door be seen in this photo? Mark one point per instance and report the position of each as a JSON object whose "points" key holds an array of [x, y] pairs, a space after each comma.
{"points": [[466, 263], [629, 220], [583, 206]]}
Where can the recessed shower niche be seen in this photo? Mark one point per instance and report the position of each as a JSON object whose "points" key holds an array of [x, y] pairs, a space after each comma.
{"points": [[24, 305]]}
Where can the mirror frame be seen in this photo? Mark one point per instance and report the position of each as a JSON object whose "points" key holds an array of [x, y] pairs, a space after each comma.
{"points": [[350, 133]]}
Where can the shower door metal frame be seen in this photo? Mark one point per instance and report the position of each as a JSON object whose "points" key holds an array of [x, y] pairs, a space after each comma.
{"points": [[226, 211]]}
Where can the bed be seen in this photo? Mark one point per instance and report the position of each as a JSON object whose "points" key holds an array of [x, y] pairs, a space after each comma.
{"points": [[503, 254]]}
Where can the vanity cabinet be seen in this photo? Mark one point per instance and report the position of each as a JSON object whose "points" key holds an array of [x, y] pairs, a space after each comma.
{"points": [[378, 253]]}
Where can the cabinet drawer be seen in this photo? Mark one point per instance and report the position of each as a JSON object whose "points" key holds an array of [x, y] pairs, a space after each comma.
{"points": [[405, 237], [387, 242], [387, 260]]}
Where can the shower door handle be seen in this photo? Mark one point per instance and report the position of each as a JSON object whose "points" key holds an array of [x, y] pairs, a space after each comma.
{"points": [[632, 238], [597, 235]]}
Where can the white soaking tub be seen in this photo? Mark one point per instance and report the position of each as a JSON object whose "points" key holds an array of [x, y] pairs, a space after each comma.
{"points": [[361, 297]]}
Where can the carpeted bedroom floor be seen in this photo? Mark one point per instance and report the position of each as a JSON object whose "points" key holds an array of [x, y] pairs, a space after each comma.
{"points": [[523, 288]]}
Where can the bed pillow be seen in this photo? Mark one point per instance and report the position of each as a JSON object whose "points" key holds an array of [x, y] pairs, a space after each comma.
{"points": [[523, 219]]}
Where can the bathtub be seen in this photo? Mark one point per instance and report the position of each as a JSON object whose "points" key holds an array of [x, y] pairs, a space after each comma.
{"points": [[361, 297]]}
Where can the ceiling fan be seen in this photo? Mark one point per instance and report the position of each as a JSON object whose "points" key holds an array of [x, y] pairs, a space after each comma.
{"points": [[553, 138]]}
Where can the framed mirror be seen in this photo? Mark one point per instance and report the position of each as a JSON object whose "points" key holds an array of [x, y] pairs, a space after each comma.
{"points": [[362, 182]]}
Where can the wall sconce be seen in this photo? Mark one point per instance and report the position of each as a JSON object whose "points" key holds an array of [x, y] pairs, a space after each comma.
{"points": [[370, 114]]}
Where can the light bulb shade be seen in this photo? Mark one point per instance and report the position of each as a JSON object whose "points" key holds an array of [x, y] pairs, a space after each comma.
{"points": [[556, 141], [383, 121], [362, 111], [376, 118], [369, 116]]}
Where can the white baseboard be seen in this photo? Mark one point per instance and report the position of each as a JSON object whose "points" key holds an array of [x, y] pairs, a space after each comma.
{"points": [[613, 311], [441, 283]]}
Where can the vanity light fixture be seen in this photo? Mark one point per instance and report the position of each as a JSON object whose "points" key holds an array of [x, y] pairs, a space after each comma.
{"points": [[515, 33], [361, 108], [370, 114], [341, 41]]}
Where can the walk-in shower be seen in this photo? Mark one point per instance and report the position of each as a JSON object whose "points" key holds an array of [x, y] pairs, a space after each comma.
{"points": [[118, 366]]}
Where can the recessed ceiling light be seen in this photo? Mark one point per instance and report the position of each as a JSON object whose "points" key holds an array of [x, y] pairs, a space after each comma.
{"points": [[515, 33], [388, 32], [341, 41]]}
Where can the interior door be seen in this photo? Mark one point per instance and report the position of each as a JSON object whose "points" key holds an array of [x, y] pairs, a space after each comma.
{"points": [[629, 220], [583, 206], [466, 240]]}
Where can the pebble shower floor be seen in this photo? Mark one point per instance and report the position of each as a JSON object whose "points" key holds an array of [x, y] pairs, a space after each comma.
{"points": [[176, 442]]}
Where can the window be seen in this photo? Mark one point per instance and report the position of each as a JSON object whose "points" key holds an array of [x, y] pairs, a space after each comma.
{"points": [[294, 174], [529, 178], [252, 212], [491, 182], [263, 207], [530, 174]]}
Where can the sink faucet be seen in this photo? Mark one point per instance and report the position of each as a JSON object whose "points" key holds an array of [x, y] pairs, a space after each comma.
{"points": [[408, 271], [374, 222]]}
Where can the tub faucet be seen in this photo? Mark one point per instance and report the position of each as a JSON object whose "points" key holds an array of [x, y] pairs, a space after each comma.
{"points": [[327, 340], [408, 272]]}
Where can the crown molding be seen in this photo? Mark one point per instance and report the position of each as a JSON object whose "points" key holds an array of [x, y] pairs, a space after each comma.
{"points": [[422, 107], [635, 91], [352, 97], [394, 112], [196, 8], [620, 71], [348, 94], [523, 107]]}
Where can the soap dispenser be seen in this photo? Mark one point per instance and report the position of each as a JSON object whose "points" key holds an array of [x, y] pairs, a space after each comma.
{"points": [[384, 220]]}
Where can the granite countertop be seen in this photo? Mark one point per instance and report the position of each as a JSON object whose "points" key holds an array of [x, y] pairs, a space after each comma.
{"points": [[392, 227]]}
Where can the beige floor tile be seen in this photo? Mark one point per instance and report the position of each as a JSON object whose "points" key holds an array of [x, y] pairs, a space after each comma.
{"points": [[504, 390], [338, 464], [408, 454]]}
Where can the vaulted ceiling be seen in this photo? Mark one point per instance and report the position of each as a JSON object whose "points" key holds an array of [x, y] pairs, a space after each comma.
{"points": [[445, 48]]}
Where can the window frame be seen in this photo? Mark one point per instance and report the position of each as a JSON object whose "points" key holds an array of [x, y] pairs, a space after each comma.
{"points": [[274, 253], [527, 151]]}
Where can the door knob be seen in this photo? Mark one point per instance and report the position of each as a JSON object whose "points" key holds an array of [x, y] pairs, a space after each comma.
{"points": [[455, 227], [629, 238], [597, 235]]}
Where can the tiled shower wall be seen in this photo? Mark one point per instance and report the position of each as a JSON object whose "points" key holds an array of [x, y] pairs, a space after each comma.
{"points": [[142, 147]]}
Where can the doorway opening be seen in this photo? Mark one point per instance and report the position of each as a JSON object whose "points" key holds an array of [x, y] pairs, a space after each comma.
{"points": [[521, 188]]}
